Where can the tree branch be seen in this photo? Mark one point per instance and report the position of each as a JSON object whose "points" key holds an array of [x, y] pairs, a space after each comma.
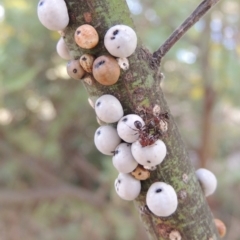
{"points": [[139, 87], [183, 28]]}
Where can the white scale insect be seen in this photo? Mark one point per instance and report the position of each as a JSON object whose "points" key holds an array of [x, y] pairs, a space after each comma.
{"points": [[53, 14], [106, 139], [127, 187], [126, 128], [108, 108], [162, 199], [123, 159], [120, 41]]}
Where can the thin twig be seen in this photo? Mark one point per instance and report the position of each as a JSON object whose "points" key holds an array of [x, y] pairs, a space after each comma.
{"points": [[180, 31]]}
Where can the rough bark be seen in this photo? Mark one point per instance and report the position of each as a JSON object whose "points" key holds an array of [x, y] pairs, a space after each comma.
{"points": [[140, 87]]}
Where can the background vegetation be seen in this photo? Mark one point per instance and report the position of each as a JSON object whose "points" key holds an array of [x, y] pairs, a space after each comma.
{"points": [[53, 183]]}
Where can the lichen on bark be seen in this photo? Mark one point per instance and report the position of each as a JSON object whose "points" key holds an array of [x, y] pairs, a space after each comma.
{"points": [[140, 87]]}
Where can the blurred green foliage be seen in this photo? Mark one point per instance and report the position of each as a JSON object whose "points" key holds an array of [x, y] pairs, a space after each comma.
{"points": [[47, 126]]}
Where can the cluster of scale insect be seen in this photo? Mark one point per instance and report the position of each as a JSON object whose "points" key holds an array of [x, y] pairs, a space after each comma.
{"points": [[121, 42]]}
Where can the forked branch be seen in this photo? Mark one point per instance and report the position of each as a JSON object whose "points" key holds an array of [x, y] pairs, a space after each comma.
{"points": [[183, 28]]}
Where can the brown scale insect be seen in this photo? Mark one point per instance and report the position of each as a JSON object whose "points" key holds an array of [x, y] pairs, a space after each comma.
{"points": [[140, 173]]}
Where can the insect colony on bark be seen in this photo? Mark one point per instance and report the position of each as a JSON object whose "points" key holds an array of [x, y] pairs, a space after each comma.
{"points": [[135, 144]]}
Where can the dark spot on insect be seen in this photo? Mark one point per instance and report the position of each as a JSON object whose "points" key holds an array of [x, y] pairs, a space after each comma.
{"points": [[115, 32], [118, 47], [84, 58], [98, 133], [98, 104], [124, 64], [116, 152], [113, 152], [158, 190], [139, 174], [74, 70], [125, 119], [119, 181], [78, 32], [41, 3], [117, 189], [138, 124], [112, 38], [148, 161], [99, 63]]}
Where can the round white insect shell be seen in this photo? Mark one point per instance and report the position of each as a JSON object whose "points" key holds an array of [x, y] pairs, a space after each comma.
{"points": [[123, 159], [108, 108], [120, 41], [62, 49], [53, 14], [151, 155], [106, 139], [207, 181], [126, 127], [127, 187], [162, 199]]}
